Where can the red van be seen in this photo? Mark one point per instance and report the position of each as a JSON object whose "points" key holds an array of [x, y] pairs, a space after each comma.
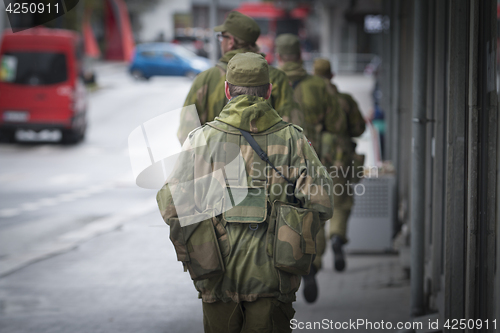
{"points": [[40, 83], [273, 21]]}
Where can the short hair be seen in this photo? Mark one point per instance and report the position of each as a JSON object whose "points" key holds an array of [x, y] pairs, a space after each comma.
{"points": [[259, 91], [289, 57], [241, 44]]}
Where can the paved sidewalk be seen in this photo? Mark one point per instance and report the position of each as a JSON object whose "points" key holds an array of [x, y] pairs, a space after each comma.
{"points": [[128, 280], [372, 288]]}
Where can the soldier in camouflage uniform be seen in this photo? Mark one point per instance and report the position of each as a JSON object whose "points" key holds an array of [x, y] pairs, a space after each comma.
{"points": [[323, 122], [344, 169], [238, 34], [246, 261]]}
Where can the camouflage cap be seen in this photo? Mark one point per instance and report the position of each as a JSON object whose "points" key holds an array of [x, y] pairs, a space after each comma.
{"points": [[288, 44], [247, 70], [322, 67], [240, 26]]}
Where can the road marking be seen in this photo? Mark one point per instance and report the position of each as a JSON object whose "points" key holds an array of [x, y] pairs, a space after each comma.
{"points": [[10, 212], [69, 178], [67, 197], [12, 176], [62, 198], [48, 202], [30, 206]]}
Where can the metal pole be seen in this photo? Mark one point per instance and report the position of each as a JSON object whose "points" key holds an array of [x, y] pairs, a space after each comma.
{"points": [[213, 23], [2, 18], [395, 36], [388, 69], [418, 157]]}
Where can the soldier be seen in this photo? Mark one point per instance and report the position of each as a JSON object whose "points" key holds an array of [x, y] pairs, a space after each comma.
{"points": [[350, 163], [247, 257], [323, 120], [238, 34]]}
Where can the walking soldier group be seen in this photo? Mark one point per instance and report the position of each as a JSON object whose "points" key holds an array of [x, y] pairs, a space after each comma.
{"points": [[251, 191]]}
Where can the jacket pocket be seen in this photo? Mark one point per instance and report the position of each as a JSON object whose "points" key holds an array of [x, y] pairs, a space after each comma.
{"points": [[295, 238], [196, 245], [245, 205]]}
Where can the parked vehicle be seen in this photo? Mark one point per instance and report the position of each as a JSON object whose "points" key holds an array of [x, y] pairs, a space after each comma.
{"points": [[153, 59], [40, 83]]}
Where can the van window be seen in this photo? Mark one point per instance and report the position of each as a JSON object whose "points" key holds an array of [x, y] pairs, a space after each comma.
{"points": [[263, 25], [34, 68]]}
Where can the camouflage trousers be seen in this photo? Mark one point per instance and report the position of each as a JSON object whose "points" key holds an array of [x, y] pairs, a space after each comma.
{"points": [[342, 205], [265, 315]]}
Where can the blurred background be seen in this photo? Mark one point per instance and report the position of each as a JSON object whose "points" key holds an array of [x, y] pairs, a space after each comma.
{"points": [[84, 249]]}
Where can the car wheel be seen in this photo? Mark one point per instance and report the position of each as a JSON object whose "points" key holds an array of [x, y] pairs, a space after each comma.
{"points": [[191, 75], [139, 75]]}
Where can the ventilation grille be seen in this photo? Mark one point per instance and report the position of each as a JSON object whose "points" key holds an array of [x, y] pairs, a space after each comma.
{"points": [[375, 201]]}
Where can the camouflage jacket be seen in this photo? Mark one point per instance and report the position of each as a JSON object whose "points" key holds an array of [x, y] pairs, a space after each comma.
{"points": [[339, 150], [249, 269], [324, 121], [207, 94], [355, 121]]}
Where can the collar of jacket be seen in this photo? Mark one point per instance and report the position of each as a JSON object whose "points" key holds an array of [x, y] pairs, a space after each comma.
{"points": [[249, 113], [294, 70], [228, 55]]}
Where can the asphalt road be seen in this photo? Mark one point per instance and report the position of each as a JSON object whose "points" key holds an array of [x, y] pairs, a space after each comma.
{"points": [[48, 189]]}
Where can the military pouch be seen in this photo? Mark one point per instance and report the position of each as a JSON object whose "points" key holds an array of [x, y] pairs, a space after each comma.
{"points": [[245, 205], [197, 247], [295, 231]]}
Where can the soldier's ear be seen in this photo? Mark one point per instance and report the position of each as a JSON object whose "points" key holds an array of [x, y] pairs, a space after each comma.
{"points": [[230, 42], [269, 90], [226, 90]]}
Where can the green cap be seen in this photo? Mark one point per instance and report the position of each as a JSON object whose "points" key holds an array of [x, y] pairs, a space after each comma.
{"points": [[247, 70], [240, 26], [322, 67], [287, 44]]}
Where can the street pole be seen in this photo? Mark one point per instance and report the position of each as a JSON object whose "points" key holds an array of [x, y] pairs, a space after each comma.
{"points": [[213, 39], [418, 157]]}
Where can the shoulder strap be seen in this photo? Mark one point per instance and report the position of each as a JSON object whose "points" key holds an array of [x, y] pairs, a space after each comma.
{"points": [[262, 154]]}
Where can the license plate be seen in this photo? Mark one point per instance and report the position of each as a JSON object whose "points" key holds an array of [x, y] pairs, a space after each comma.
{"points": [[16, 116]]}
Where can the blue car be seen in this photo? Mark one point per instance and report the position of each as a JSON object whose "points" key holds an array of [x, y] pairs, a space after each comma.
{"points": [[166, 59]]}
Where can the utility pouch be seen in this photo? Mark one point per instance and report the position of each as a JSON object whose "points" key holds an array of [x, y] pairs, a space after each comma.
{"points": [[197, 247], [295, 231], [245, 204]]}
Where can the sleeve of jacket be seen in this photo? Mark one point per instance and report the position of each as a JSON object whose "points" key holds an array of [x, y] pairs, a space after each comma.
{"points": [[180, 183], [314, 187], [196, 96]]}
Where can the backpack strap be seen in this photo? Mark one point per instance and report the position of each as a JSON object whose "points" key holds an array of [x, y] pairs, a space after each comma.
{"points": [[262, 154]]}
